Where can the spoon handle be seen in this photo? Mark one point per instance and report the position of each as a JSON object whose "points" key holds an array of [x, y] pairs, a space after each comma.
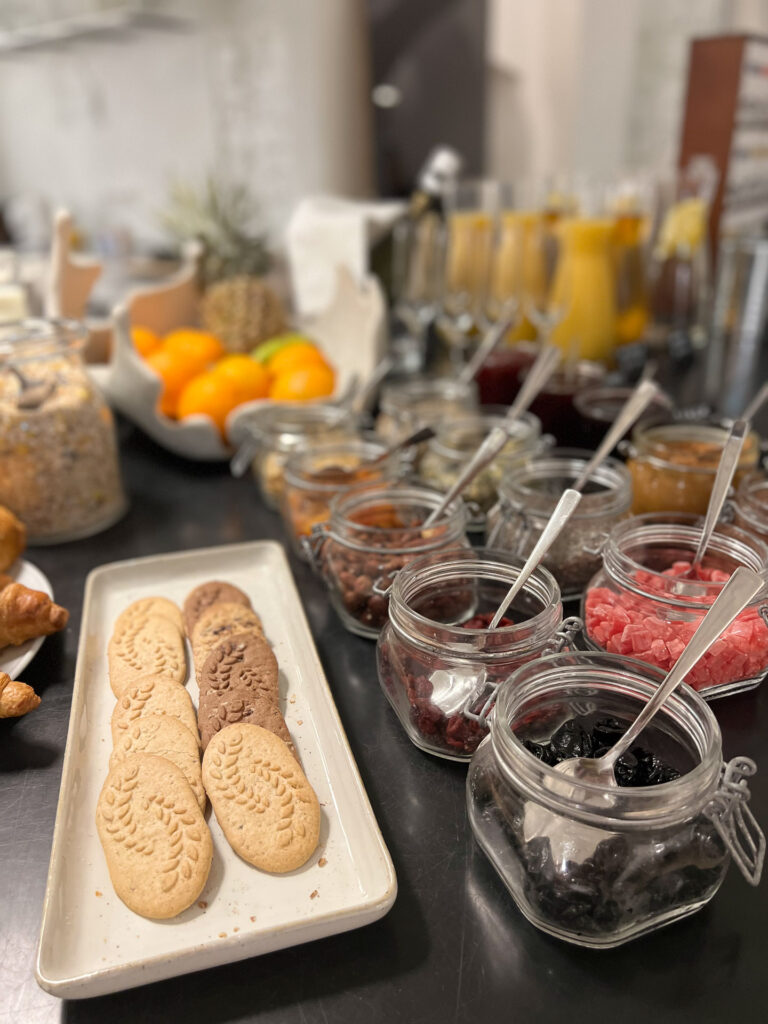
{"points": [[487, 451], [740, 589], [540, 372], [563, 511], [633, 408], [537, 377], [487, 345], [729, 460], [756, 403]]}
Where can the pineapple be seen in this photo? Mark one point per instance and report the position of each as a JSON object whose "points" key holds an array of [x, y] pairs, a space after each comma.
{"points": [[238, 306]]}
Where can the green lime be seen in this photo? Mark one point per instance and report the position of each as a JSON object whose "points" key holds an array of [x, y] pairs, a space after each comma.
{"points": [[264, 352]]}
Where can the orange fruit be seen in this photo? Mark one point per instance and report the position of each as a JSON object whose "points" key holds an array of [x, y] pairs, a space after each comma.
{"points": [[292, 357], [198, 348], [175, 372], [209, 394], [314, 381], [249, 378], [145, 341]]}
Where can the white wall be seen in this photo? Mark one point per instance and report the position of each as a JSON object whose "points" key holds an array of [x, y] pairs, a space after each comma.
{"points": [[595, 86], [273, 92]]}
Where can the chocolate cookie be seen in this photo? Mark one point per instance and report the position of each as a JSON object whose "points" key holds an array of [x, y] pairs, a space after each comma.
{"points": [[215, 713], [242, 664], [203, 597]]}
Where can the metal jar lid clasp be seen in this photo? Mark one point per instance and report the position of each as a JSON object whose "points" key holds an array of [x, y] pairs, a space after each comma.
{"points": [[736, 824]]}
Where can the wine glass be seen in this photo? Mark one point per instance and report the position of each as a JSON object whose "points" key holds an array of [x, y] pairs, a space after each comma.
{"points": [[472, 212]]}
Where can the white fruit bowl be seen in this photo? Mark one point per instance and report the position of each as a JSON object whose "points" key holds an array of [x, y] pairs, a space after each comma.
{"points": [[350, 332]]}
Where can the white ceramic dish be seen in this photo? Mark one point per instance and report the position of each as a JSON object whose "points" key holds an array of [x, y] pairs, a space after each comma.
{"points": [[90, 943], [14, 660], [350, 331]]}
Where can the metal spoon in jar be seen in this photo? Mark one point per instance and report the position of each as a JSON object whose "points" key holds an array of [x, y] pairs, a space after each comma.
{"points": [[539, 374], [488, 345], [632, 410], [743, 586], [757, 403], [729, 460], [562, 513], [417, 437], [32, 393]]}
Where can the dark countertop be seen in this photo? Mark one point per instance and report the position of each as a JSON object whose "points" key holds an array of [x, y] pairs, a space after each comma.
{"points": [[454, 947]]}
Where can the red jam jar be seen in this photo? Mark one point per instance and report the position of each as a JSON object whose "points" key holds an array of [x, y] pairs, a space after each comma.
{"points": [[498, 379], [437, 660], [554, 405]]}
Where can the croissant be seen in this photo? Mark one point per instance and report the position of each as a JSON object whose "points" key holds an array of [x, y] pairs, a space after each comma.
{"points": [[26, 613], [13, 538], [5, 580], [16, 698]]}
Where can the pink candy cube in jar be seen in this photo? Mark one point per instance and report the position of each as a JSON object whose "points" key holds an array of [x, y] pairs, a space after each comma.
{"points": [[439, 664], [646, 604]]}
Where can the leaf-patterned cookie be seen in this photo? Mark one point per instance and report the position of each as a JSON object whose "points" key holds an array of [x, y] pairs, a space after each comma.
{"points": [[241, 663], [262, 800], [218, 623], [153, 695], [155, 839], [203, 597], [163, 736], [145, 606], [215, 712], [145, 645]]}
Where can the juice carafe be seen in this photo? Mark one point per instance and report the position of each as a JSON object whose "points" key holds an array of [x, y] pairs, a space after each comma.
{"points": [[584, 289]]}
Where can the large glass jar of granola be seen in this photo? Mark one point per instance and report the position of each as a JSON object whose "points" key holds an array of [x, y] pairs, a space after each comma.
{"points": [[59, 469]]}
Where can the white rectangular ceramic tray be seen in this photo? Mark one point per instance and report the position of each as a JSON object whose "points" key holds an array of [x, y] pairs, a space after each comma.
{"points": [[90, 943]]}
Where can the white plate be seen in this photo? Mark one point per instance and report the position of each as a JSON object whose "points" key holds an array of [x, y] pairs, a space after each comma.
{"points": [[14, 660], [90, 943]]}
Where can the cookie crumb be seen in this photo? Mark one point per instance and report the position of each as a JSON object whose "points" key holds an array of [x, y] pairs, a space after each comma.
{"points": [[235, 929], [222, 935], [322, 862], [253, 918], [291, 700], [99, 893], [314, 895], [299, 722], [203, 904]]}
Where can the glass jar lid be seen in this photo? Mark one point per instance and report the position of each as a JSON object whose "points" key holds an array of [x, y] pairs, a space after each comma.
{"points": [[538, 486]]}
